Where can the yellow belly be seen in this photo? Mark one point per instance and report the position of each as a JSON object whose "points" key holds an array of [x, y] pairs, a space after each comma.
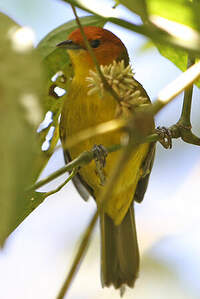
{"points": [[80, 112]]}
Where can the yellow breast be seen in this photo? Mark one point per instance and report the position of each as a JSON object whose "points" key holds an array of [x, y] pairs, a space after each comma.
{"points": [[80, 112]]}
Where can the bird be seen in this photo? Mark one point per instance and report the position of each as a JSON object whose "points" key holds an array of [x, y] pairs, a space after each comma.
{"points": [[82, 110]]}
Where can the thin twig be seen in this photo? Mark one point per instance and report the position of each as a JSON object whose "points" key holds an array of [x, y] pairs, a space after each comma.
{"points": [[72, 174], [79, 256], [91, 52], [83, 159], [102, 128]]}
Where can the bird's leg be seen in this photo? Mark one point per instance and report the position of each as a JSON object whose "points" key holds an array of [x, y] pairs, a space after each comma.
{"points": [[165, 137], [100, 154]]}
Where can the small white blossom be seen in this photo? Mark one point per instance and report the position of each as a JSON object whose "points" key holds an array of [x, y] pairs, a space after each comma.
{"points": [[121, 79]]}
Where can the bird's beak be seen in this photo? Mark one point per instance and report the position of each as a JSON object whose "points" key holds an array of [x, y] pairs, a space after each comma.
{"points": [[69, 44]]}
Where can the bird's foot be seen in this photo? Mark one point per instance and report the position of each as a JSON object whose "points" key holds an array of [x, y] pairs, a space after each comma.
{"points": [[165, 137], [100, 154]]}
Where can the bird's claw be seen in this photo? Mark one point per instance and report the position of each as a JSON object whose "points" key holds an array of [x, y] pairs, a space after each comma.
{"points": [[165, 137], [100, 154]]}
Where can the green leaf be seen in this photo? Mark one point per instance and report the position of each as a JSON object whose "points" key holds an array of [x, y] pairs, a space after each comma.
{"points": [[181, 11], [146, 46], [184, 12], [7, 24], [21, 86], [178, 57], [54, 59]]}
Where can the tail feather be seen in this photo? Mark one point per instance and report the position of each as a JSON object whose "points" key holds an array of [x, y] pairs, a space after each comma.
{"points": [[119, 252]]}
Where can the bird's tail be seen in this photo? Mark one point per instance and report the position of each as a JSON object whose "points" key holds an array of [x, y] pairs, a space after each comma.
{"points": [[119, 251]]}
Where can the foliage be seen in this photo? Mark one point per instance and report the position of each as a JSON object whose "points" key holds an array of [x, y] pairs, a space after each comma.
{"points": [[26, 79], [20, 112]]}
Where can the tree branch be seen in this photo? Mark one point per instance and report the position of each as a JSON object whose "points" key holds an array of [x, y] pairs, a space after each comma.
{"points": [[187, 101], [83, 159], [79, 255], [183, 127]]}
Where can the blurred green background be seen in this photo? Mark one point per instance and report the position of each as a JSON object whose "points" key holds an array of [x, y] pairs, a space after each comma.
{"points": [[39, 252]]}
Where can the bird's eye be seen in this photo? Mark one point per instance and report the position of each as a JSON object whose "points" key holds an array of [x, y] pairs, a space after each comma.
{"points": [[95, 43]]}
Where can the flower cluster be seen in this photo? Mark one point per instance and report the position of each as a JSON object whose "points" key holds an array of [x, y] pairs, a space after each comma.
{"points": [[121, 79]]}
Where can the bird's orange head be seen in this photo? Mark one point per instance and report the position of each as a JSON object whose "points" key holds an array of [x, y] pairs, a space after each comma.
{"points": [[107, 47]]}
